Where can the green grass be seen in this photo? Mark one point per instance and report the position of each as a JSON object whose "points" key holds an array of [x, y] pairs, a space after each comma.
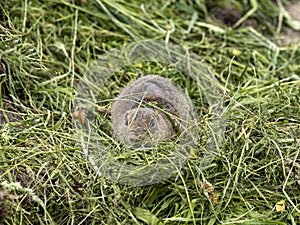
{"points": [[47, 47]]}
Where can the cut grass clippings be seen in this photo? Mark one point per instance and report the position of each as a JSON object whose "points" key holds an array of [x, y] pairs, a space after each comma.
{"points": [[46, 47]]}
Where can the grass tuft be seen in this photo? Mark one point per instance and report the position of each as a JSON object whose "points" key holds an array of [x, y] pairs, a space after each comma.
{"points": [[45, 48]]}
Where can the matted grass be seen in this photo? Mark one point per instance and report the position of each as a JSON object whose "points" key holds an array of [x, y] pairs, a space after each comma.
{"points": [[45, 48]]}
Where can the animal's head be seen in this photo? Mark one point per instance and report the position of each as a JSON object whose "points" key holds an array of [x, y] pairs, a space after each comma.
{"points": [[146, 126]]}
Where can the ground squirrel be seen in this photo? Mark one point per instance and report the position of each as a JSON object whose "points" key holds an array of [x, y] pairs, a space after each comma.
{"points": [[150, 109]]}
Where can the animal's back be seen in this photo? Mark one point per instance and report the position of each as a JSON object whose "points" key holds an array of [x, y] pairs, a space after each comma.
{"points": [[150, 87]]}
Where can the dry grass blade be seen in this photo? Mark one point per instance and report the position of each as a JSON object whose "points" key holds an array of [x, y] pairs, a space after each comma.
{"points": [[46, 48]]}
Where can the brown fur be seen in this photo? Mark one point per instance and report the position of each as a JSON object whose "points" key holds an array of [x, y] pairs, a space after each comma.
{"points": [[150, 109]]}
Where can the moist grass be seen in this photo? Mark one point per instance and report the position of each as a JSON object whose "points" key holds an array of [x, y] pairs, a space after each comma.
{"points": [[46, 48]]}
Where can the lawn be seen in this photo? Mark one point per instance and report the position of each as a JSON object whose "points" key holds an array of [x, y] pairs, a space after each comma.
{"points": [[48, 47]]}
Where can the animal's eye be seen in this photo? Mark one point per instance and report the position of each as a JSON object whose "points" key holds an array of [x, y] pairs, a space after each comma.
{"points": [[152, 123], [126, 121]]}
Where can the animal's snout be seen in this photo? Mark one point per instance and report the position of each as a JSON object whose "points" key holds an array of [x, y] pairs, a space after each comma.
{"points": [[132, 137]]}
